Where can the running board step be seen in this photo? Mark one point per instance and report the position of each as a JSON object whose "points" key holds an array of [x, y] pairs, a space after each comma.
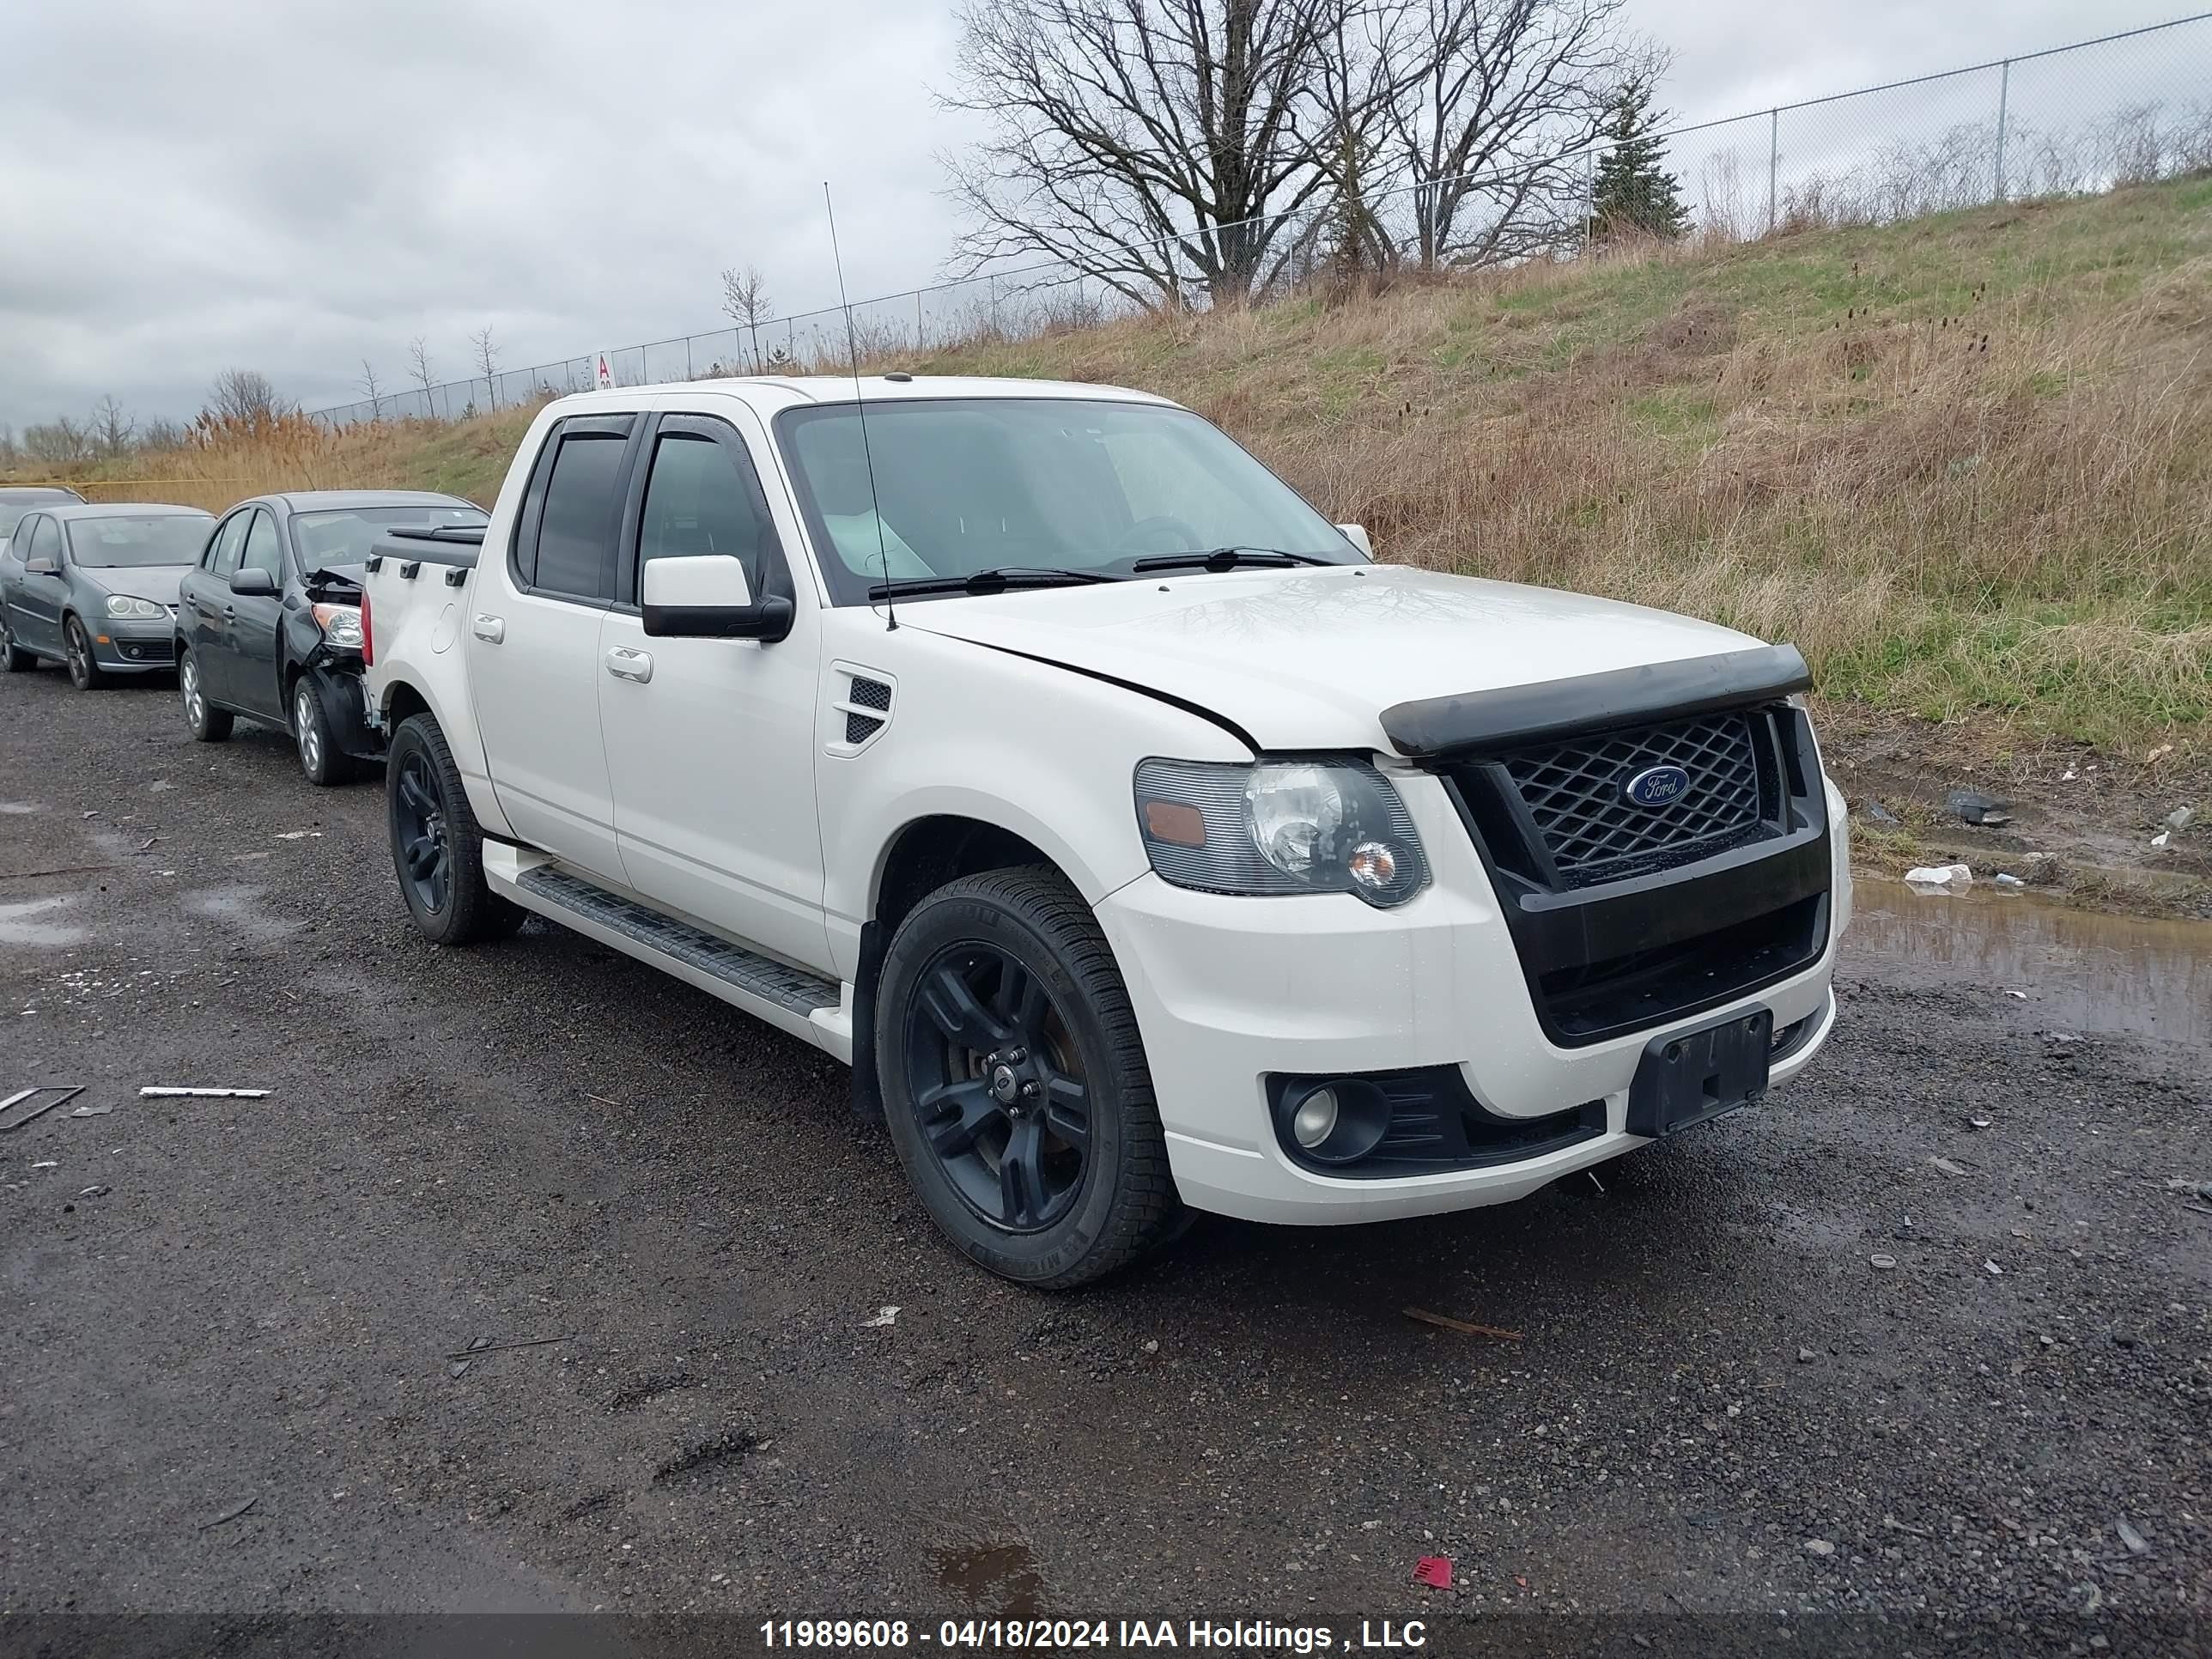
{"points": [[791, 989]]}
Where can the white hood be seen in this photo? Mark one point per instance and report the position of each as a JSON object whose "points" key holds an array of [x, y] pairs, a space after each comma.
{"points": [[1308, 659]]}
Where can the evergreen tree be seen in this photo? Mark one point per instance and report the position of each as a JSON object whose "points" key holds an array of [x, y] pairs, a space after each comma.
{"points": [[1633, 191]]}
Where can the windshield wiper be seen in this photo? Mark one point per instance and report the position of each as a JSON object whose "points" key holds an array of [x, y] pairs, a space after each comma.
{"points": [[994, 581], [1227, 558]]}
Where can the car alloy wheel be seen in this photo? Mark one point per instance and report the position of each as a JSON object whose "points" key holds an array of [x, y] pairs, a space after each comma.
{"points": [[999, 1089], [188, 682], [77, 650], [419, 815], [307, 728]]}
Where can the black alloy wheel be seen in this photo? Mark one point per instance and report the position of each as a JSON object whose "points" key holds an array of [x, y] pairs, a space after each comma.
{"points": [[13, 657], [437, 849], [1000, 1091], [418, 827], [1014, 1081]]}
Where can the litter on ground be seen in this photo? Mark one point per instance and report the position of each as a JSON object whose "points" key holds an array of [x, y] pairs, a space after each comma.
{"points": [[166, 1093]]}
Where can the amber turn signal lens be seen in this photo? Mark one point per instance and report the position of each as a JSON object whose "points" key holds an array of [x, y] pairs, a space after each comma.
{"points": [[1172, 822]]}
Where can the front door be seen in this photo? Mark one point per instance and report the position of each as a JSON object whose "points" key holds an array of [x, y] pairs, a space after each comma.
{"points": [[252, 619], [204, 597], [38, 600], [532, 636], [711, 756]]}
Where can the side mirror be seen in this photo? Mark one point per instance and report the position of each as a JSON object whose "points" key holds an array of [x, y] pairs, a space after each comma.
{"points": [[41, 568], [253, 583], [1357, 537], [707, 598]]}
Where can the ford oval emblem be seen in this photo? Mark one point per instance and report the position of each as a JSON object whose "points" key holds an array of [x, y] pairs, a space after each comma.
{"points": [[1659, 786]]}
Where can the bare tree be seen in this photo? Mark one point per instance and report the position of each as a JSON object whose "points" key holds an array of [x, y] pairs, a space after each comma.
{"points": [[371, 389], [746, 302], [10, 453], [159, 433], [418, 366], [113, 429], [487, 359], [246, 397], [1498, 92], [1151, 144], [59, 442]]}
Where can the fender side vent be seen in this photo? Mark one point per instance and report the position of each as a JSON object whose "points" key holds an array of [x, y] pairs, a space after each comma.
{"points": [[865, 706]]}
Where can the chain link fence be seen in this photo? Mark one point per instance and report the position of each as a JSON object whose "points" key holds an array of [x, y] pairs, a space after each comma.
{"points": [[2124, 109]]}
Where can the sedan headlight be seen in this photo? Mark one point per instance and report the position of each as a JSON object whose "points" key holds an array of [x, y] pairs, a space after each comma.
{"points": [[122, 604], [1297, 826], [341, 625]]}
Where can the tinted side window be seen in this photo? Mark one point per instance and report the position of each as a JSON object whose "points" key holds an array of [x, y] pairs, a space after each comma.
{"points": [[705, 497], [222, 552], [261, 549], [575, 536], [45, 541]]}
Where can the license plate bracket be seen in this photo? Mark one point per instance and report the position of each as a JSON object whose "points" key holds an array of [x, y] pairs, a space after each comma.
{"points": [[1689, 1077]]}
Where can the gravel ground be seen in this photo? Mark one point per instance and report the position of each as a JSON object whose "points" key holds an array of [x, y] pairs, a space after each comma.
{"points": [[1719, 1405]]}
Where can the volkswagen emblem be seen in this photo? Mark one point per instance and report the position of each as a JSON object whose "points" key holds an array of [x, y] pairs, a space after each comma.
{"points": [[1657, 786]]}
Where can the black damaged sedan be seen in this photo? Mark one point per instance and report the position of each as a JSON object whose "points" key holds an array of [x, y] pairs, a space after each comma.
{"points": [[269, 621]]}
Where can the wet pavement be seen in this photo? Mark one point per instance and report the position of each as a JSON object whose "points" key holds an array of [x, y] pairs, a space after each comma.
{"points": [[1846, 1355]]}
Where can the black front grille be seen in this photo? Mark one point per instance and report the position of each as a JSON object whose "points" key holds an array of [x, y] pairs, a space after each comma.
{"points": [[148, 650], [1625, 916], [1576, 795]]}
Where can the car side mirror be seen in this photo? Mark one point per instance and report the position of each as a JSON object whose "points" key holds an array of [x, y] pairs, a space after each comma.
{"points": [[41, 568], [706, 596], [1357, 537], [253, 583]]}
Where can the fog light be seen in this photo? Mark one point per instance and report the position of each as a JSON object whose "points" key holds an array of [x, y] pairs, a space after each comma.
{"points": [[1316, 1118]]}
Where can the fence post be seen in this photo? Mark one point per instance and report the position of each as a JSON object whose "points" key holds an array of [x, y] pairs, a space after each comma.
{"points": [[1589, 198], [2004, 99], [687, 374], [1774, 168], [917, 321], [994, 306]]}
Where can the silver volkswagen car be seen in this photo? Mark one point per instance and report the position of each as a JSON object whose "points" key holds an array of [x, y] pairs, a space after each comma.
{"points": [[95, 588]]}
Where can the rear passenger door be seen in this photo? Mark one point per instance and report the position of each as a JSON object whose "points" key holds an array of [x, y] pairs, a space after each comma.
{"points": [[534, 645], [203, 600]]}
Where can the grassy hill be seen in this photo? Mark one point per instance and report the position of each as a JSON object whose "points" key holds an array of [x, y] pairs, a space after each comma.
{"points": [[1964, 462]]}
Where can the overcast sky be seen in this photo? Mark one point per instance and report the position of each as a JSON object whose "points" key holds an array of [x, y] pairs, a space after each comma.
{"points": [[291, 185]]}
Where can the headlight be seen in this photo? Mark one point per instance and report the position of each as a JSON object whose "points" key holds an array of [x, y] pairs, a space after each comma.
{"points": [[1304, 826], [341, 625], [122, 604]]}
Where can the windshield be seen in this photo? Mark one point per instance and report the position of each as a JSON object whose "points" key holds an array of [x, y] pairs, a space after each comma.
{"points": [[347, 535], [14, 503], [983, 483], [164, 539]]}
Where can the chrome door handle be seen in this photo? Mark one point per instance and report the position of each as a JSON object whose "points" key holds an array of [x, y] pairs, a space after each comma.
{"points": [[492, 629], [230, 613], [625, 664]]}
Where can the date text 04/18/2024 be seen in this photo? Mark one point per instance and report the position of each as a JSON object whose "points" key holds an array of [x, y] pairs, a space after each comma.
{"points": [[1060, 1635]]}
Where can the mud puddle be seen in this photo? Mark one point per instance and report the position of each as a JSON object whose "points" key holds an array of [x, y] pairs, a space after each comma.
{"points": [[2083, 971], [40, 921]]}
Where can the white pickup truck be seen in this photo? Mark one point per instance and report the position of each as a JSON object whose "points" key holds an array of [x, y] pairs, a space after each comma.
{"points": [[1140, 842]]}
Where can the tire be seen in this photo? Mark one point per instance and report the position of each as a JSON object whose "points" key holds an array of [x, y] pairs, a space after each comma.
{"points": [[437, 850], [13, 657], [209, 724], [326, 764], [84, 671], [1043, 1045]]}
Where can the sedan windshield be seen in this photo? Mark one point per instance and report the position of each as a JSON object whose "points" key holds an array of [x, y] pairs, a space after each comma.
{"points": [[1063, 486], [346, 536], [125, 541]]}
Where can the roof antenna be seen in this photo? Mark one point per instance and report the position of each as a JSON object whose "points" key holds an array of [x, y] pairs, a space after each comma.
{"points": [[860, 407]]}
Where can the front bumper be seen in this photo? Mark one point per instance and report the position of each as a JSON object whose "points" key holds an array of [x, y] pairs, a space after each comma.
{"points": [[135, 646], [1228, 991]]}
